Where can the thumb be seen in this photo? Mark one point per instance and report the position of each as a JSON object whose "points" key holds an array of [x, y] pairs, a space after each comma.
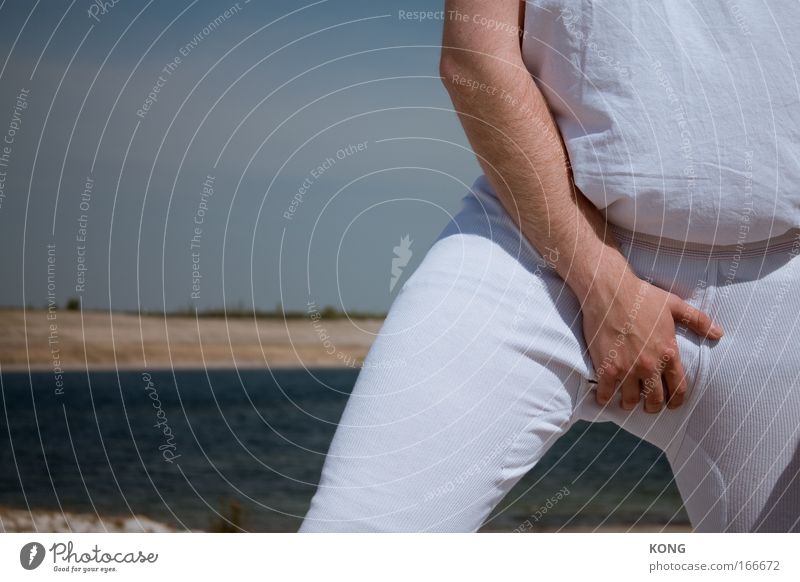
{"points": [[699, 321]]}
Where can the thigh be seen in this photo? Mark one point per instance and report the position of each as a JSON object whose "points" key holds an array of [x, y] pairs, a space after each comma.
{"points": [[473, 375], [742, 451], [691, 276]]}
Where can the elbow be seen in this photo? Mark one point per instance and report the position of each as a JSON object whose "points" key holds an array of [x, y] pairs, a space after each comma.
{"points": [[462, 70], [449, 69], [459, 70]]}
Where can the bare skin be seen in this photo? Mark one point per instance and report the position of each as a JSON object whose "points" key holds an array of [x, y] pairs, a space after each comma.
{"points": [[519, 148]]}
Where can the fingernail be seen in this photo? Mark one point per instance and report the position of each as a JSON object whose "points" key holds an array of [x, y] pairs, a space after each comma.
{"points": [[717, 330]]}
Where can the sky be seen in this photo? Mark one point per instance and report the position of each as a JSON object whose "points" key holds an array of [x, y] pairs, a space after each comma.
{"points": [[169, 155]]}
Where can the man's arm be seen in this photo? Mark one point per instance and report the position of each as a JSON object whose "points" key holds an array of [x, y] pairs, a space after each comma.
{"points": [[518, 145], [517, 142]]}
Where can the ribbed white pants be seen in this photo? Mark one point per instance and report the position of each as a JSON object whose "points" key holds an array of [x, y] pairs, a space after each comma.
{"points": [[481, 365]]}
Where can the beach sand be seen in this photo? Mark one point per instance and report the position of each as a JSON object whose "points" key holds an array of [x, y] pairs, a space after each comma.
{"points": [[20, 521], [99, 341]]}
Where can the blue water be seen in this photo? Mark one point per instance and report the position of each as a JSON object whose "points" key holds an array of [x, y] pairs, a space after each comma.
{"points": [[249, 446]]}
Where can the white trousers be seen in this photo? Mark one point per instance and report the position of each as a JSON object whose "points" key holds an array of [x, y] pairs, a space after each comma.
{"points": [[481, 365]]}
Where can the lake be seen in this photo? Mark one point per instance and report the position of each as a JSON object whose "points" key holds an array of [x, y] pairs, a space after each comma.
{"points": [[187, 447]]}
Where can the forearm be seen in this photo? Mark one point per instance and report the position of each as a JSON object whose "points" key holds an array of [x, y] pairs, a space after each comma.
{"points": [[512, 132]]}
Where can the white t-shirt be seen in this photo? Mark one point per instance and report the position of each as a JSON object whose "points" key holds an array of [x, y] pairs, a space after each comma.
{"points": [[681, 118]]}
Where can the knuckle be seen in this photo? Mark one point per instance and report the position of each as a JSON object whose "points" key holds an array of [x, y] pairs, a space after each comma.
{"points": [[628, 374], [648, 385], [668, 353], [684, 310], [646, 364]]}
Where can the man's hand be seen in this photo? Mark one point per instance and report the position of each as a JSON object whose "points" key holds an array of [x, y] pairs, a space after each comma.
{"points": [[629, 327]]}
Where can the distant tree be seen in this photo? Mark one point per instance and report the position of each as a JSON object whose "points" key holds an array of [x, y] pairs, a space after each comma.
{"points": [[330, 313], [73, 304]]}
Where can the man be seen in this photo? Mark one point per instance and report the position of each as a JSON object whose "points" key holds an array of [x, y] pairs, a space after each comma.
{"points": [[639, 176]]}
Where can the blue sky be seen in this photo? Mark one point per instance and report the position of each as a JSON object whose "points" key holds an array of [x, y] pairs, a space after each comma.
{"points": [[271, 102]]}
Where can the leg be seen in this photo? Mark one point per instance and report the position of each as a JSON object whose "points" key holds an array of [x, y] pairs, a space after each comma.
{"points": [[734, 446], [473, 376], [686, 274], [742, 452]]}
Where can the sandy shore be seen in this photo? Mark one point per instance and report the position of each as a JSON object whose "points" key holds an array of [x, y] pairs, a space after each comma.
{"points": [[20, 520], [99, 340]]}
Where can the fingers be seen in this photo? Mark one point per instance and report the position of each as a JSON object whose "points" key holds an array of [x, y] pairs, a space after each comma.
{"points": [[653, 390], [606, 385], [631, 391], [651, 387], [676, 382], [698, 321]]}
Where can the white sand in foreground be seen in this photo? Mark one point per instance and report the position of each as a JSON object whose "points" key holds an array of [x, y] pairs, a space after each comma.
{"points": [[43, 521], [20, 520]]}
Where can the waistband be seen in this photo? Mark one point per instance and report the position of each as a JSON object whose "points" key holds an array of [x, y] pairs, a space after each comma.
{"points": [[788, 241]]}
